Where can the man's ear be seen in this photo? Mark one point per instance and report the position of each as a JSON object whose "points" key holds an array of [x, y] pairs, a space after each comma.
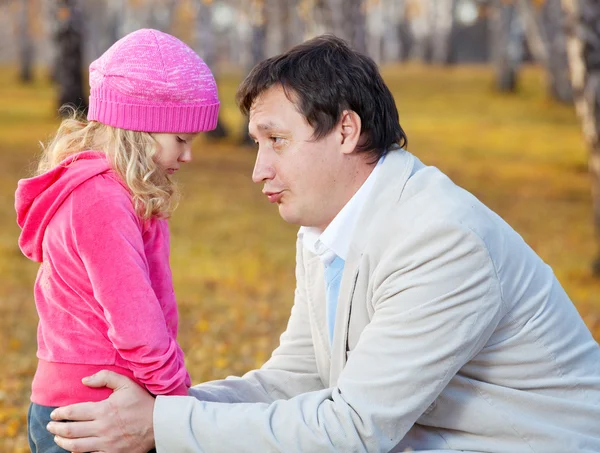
{"points": [[350, 125]]}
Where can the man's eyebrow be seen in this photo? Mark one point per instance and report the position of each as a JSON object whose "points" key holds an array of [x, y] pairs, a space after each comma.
{"points": [[264, 127]]}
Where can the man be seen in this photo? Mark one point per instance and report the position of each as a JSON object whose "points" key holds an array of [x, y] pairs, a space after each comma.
{"points": [[421, 320]]}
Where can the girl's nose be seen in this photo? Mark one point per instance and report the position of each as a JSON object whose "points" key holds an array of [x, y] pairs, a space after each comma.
{"points": [[186, 156]]}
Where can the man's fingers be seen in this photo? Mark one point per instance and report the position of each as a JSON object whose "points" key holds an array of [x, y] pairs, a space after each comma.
{"points": [[72, 430], [75, 412], [108, 379], [78, 445]]}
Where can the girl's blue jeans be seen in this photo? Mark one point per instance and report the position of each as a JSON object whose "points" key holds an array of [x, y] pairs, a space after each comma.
{"points": [[40, 439]]}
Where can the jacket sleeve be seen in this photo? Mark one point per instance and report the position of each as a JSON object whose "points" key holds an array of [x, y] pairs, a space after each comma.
{"points": [[108, 237], [290, 371], [436, 301]]}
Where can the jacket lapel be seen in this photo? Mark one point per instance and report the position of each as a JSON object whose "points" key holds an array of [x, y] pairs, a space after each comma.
{"points": [[395, 171]]}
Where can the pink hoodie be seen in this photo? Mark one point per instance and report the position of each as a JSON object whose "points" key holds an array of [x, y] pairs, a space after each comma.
{"points": [[104, 292]]}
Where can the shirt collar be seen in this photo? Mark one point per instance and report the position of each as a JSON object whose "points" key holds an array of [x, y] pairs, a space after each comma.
{"points": [[335, 240]]}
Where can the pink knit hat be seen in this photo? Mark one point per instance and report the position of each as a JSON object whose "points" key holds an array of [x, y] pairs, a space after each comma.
{"points": [[152, 82]]}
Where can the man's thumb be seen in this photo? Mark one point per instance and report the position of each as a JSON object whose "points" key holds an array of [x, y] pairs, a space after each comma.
{"points": [[106, 378]]}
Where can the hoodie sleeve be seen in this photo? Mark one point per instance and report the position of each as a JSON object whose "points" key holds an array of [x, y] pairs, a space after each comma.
{"points": [[108, 237]]}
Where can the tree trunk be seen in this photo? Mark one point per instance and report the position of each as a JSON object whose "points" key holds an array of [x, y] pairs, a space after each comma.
{"points": [[507, 45], [295, 32], [275, 17], [559, 83], [534, 32], [104, 26], [356, 24], [393, 17], [160, 14], [583, 48], [205, 46], [443, 25], [337, 17], [375, 26], [421, 29], [69, 42], [25, 44], [317, 18], [257, 48]]}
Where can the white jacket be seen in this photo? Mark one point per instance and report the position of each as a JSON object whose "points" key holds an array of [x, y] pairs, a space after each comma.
{"points": [[451, 335]]}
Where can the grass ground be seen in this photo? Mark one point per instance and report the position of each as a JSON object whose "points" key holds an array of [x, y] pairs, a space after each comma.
{"points": [[232, 257]]}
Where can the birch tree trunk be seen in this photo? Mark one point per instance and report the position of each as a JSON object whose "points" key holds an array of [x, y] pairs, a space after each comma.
{"points": [[205, 47], [375, 25], [559, 83], [159, 14], [443, 25], [274, 11], [348, 21], [316, 18], [295, 27], [337, 17], [384, 19], [507, 45], [258, 21], [583, 48], [420, 28], [534, 31], [104, 26], [356, 24], [393, 21]]}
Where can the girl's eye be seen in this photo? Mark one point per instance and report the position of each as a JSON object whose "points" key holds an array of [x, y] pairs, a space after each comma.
{"points": [[276, 140], [180, 140]]}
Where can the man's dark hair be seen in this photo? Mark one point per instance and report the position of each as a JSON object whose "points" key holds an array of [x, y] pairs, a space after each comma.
{"points": [[323, 77]]}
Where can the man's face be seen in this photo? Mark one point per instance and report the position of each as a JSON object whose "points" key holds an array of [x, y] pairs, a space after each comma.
{"points": [[301, 175]]}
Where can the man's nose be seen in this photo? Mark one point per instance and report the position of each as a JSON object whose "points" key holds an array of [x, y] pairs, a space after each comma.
{"points": [[263, 168]]}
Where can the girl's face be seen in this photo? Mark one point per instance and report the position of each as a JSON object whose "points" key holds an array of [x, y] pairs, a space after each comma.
{"points": [[173, 150]]}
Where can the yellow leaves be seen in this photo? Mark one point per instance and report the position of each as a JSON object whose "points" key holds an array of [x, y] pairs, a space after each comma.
{"points": [[260, 358], [12, 428], [14, 344], [221, 362], [202, 326]]}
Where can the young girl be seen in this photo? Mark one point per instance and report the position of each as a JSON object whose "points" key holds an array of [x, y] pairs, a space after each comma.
{"points": [[95, 218]]}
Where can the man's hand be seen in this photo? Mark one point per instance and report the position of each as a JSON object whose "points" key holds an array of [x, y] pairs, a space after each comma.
{"points": [[120, 424]]}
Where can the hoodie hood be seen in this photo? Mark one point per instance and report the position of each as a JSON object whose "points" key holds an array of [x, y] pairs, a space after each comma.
{"points": [[37, 199]]}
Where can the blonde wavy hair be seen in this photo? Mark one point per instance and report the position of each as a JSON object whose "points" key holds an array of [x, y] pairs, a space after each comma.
{"points": [[129, 153]]}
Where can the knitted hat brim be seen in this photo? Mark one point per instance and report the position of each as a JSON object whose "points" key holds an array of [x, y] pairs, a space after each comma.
{"points": [[176, 118]]}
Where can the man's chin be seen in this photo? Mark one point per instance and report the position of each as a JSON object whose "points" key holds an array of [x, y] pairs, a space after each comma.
{"points": [[288, 216]]}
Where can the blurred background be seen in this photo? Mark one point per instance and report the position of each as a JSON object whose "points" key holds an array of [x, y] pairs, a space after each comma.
{"points": [[500, 95]]}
